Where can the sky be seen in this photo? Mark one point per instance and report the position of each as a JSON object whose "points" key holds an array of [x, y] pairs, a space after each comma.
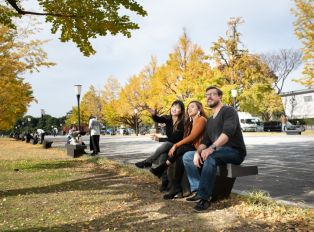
{"points": [[268, 26]]}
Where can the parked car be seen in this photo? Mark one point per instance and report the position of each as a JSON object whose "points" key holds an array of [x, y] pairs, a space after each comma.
{"points": [[48, 133], [144, 132], [277, 126], [260, 126], [103, 131], [248, 124]]}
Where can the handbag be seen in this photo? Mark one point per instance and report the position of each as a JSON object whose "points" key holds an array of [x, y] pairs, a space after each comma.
{"points": [[76, 141]]}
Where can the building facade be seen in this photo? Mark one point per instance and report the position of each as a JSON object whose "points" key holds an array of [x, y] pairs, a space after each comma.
{"points": [[298, 104]]}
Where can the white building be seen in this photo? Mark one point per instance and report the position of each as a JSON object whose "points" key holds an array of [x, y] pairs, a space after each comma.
{"points": [[298, 104]]}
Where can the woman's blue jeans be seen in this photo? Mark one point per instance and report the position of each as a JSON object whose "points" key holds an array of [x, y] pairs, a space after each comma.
{"points": [[203, 179]]}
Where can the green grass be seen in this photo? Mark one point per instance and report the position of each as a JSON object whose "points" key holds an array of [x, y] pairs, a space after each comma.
{"points": [[53, 192]]}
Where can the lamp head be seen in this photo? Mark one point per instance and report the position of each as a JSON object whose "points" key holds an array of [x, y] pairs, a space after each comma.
{"points": [[29, 119], [22, 123], [42, 111], [234, 92], [135, 111], [78, 89]]}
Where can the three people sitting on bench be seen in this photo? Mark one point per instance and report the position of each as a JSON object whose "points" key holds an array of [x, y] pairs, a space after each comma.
{"points": [[222, 143]]}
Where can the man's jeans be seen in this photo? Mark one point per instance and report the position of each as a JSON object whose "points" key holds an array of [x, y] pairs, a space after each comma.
{"points": [[161, 152], [203, 179]]}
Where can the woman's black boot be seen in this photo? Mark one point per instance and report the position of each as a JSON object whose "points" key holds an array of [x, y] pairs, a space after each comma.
{"points": [[159, 170], [165, 182], [175, 190]]}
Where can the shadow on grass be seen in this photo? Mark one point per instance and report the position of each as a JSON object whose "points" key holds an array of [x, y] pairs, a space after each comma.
{"points": [[54, 165], [83, 184]]}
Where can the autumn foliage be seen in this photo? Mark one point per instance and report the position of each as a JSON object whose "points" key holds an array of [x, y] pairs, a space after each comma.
{"points": [[17, 56], [185, 76]]}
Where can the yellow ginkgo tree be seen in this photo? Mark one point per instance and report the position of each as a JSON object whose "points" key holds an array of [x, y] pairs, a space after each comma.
{"points": [[78, 20], [16, 58], [304, 30]]}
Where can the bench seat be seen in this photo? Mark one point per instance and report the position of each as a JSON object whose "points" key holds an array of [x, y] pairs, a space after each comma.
{"points": [[47, 144], [293, 132], [225, 178], [75, 150]]}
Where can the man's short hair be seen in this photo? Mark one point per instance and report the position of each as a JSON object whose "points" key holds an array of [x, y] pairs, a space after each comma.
{"points": [[214, 87]]}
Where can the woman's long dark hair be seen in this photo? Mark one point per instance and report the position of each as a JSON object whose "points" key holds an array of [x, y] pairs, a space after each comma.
{"points": [[187, 122], [181, 116]]}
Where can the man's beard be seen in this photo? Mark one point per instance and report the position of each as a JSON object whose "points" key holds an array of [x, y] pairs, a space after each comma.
{"points": [[213, 104]]}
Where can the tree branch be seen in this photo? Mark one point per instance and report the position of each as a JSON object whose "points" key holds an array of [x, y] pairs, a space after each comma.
{"points": [[22, 12]]}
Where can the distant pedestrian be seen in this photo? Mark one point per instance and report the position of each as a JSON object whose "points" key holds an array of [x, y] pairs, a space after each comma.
{"points": [[41, 134], [298, 125], [94, 127], [54, 133], [284, 122]]}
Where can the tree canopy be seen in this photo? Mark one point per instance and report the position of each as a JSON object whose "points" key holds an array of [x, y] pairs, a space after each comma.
{"points": [[186, 75], [17, 57], [304, 29], [78, 20]]}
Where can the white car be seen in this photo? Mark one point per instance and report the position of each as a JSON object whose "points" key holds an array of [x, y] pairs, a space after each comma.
{"points": [[248, 124]]}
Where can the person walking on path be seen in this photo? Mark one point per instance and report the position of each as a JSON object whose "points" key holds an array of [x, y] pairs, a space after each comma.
{"points": [[94, 127], [174, 131], [222, 143], [284, 122]]}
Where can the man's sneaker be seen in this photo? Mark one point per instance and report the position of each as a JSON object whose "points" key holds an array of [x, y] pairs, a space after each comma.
{"points": [[194, 199], [202, 206], [143, 164]]}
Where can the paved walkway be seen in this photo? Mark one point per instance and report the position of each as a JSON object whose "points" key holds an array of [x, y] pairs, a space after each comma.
{"points": [[285, 163]]}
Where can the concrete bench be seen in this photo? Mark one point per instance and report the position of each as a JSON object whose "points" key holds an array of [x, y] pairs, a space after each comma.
{"points": [[293, 132], [34, 141], [75, 150], [225, 178], [47, 144]]}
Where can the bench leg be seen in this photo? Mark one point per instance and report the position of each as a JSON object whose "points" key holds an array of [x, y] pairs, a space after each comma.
{"points": [[222, 188]]}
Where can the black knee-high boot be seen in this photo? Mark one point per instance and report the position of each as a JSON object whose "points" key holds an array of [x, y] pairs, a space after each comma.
{"points": [[175, 190], [159, 170], [165, 181]]}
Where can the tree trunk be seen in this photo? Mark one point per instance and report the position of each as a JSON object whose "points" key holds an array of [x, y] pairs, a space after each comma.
{"points": [[156, 127]]}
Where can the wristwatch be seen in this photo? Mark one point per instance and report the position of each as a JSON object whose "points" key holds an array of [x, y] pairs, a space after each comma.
{"points": [[213, 146]]}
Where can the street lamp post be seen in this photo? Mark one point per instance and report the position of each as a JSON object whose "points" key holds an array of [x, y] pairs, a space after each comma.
{"points": [[19, 128], [135, 111], [234, 95], [42, 118], [29, 119], [22, 126], [61, 127], [78, 89]]}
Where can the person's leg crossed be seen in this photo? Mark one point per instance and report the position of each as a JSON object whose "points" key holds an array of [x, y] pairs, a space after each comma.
{"points": [[191, 170], [164, 148]]}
